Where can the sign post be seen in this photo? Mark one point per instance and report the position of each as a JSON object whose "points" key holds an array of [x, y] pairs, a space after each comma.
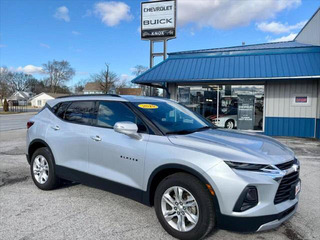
{"points": [[158, 24]]}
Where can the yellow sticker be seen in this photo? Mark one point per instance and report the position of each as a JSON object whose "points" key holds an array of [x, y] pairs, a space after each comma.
{"points": [[147, 106]]}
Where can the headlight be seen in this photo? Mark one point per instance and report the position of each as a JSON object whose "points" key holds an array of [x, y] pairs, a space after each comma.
{"points": [[245, 166]]}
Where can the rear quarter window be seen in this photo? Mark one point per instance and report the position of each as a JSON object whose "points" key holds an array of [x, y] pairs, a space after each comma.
{"points": [[81, 112]]}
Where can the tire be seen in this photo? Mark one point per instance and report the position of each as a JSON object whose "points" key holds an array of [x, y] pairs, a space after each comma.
{"points": [[229, 124], [191, 187], [43, 169]]}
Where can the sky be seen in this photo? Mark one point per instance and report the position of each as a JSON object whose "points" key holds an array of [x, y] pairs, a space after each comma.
{"points": [[90, 33]]}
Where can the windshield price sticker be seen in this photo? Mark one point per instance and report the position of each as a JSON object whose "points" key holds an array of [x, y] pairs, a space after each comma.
{"points": [[148, 106]]}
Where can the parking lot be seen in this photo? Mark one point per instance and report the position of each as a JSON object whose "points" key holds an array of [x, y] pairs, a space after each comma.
{"points": [[79, 212]]}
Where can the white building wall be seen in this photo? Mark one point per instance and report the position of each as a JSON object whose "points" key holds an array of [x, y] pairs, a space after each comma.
{"points": [[310, 34], [280, 96], [40, 100]]}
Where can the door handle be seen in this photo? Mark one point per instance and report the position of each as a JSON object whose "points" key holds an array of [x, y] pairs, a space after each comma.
{"points": [[96, 138], [56, 128]]}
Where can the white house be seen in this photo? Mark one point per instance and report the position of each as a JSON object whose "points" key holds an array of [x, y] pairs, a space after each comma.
{"points": [[41, 99], [20, 97]]}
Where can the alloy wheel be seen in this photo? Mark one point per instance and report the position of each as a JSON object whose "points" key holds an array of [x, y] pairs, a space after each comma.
{"points": [[40, 169], [180, 209], [230, 125]]}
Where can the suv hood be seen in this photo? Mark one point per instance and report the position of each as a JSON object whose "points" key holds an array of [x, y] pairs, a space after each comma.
{"points": [[235, 146]]}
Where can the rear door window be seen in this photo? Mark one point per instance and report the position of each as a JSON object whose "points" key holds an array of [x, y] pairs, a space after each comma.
{"points": [[81, 112]]}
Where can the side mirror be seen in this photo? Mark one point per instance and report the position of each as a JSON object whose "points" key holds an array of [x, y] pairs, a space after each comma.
{"points": [[127, 128]]}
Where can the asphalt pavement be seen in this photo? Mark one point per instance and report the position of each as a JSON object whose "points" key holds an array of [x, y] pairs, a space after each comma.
{"points": [[14, 121], [80, 212]]}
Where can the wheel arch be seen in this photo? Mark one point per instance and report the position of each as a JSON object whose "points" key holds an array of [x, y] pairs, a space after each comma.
{"points": [[36, 144], [165, 170]]}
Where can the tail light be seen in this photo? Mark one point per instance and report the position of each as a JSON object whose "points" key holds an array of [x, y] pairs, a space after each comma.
{"points": [[29, 124]]}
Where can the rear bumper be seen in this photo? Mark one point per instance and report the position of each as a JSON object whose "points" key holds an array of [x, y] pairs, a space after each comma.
{"points": [[254, 224]]}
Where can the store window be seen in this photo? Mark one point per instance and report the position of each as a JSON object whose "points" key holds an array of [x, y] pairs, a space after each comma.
{"points": [[227, 106]]}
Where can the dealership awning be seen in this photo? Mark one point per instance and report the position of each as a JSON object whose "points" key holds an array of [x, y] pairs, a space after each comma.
{"points": [[258, 62]]}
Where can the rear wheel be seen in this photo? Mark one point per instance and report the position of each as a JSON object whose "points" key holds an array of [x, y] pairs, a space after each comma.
{"points": [[184, 207], [42, 169]]}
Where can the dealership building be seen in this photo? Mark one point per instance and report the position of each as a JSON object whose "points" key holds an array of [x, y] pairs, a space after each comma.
{"points": [[273, 88]]}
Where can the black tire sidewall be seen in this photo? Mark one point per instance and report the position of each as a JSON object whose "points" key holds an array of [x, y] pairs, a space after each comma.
{"points": [[200, 193], [52, 180]]}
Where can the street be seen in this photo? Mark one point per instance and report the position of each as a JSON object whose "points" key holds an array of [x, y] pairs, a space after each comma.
{"points": [[15, 121], [79, 212]]}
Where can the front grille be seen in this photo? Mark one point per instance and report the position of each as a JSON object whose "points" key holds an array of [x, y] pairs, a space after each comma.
{"points": [[287, 165], [286, 186]]}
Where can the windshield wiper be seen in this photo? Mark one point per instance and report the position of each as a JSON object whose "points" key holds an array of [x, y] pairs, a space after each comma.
{"points": [[202, 128], [180, 132], [189, 131]]}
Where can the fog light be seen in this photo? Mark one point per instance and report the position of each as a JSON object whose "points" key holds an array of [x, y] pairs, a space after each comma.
{"points": [[247, 199]]}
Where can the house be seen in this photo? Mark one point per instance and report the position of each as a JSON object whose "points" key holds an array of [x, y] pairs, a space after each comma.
{"points": [[41, 99], [92, 88], [19, 98], [129, 91]]}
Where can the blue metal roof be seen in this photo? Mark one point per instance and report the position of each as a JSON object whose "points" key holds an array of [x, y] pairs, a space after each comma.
{"points": [[261, 46], [283, 60]]}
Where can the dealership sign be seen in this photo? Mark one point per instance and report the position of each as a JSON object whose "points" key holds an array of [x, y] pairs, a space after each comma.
{"points": [[158, 20]]}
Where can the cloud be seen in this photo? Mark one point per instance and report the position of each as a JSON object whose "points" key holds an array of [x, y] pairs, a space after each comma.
{"points": [[112, 13], [30, 69], [75, 33], [44, 45], [62, 13], [3, 45], [126, 77], [227, 14], [278, 27], [289, 37]]}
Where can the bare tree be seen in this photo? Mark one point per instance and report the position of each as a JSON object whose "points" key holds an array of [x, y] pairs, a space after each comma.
{"points": [[59, 72], [138, 70], [122, 83], [106, 79], [19, 81], [79, 86], [5, 82]]}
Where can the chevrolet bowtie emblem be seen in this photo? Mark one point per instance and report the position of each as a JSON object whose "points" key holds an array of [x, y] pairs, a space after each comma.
{"points": [[295, 167]]}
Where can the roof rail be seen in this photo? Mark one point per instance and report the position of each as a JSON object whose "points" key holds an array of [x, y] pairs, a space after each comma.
{"points": [[90, 95]]}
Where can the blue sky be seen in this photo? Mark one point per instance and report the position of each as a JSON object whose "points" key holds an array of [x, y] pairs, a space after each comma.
{"points": [[90, 33]]}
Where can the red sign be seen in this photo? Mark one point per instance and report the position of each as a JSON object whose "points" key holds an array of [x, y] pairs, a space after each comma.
{"points": [[301, 99]]}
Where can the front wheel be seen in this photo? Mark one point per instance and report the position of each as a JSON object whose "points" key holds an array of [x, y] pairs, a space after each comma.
{"points": [[229, 124], [184, 207]]}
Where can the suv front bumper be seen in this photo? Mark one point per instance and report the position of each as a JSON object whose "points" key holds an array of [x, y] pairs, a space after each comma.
{"points": [[228, 184], [254, 224]]}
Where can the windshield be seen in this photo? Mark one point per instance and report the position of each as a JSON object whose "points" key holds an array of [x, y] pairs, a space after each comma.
{"points": [[172, 118]]}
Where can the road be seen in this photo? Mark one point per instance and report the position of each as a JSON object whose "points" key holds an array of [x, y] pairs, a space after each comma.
{"points": [[15, 121], [80, 212]]}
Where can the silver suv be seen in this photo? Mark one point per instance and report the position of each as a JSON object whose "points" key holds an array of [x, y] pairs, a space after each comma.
{"points": [[161, 154]]}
